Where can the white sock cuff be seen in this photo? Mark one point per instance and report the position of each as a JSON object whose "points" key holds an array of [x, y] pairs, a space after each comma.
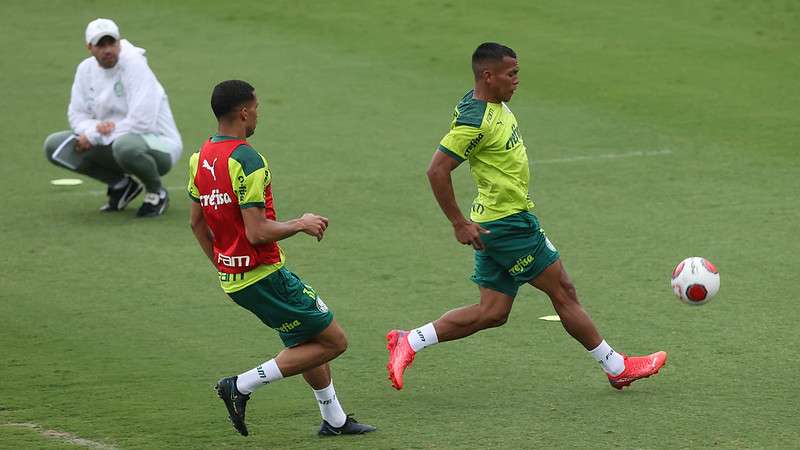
{"points": [[600, 351], [329, 406], [325, 393], [612, 362], [271, 371], [264, 374], [422, 337]]}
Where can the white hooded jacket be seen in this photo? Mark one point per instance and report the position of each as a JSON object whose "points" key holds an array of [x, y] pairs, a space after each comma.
{"points": [[127, 94]]}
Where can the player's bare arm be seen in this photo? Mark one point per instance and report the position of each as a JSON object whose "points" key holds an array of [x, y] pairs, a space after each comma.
{"points": [[466, 232], [261, 230], [200, 229]]}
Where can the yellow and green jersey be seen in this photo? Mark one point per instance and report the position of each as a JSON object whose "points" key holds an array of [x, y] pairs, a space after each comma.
{"points": [[487, 135]]}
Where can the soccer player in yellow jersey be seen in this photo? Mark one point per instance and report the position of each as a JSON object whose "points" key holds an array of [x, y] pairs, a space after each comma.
{"points": [[511, 249]]}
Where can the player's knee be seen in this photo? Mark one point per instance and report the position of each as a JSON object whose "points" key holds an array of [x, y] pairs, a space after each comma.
{"points": [[565, 294], [337, 344], [340, 346], [127, 147], [51, 143], [569, 290]]}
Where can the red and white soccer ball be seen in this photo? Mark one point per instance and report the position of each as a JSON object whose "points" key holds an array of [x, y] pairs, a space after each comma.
{"points": [[695, 280]]}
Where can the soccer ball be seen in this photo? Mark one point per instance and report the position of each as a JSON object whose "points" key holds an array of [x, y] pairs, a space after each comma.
{"points": [[695, 280]]}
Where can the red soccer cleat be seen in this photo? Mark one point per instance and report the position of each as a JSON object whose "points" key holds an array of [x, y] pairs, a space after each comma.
{"points": [[401, 355], [637, 367]]}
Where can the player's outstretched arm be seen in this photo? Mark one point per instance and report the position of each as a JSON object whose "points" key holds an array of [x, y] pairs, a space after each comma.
{"points": [[439, 170], [201, 231], [260, 230]]}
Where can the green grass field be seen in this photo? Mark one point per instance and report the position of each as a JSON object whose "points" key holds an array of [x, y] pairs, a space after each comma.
{"points": [[656, 131]]}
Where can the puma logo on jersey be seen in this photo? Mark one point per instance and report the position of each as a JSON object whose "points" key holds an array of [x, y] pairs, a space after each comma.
{"points": [[210, 167]]}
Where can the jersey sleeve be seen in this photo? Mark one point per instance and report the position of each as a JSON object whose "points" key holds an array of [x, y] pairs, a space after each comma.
{"points": [[461, 142], [194, 193], [249, 176]]}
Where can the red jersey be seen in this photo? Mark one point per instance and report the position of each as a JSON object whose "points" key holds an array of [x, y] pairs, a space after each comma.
{"points": [[229, 176]]}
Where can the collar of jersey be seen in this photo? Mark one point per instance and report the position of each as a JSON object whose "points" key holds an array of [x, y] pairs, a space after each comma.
{"points": [[219, 138]]}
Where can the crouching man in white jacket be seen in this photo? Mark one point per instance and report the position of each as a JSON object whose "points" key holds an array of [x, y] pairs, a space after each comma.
{"points": [[121, 123]]}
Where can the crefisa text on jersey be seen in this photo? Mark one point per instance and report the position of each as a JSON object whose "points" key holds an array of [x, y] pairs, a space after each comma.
{"points": [[215, 199]]}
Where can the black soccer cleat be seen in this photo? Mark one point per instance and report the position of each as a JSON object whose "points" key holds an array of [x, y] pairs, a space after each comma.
{"points": [[235, 401], [155, 204], [351, 426], [118, 199]]}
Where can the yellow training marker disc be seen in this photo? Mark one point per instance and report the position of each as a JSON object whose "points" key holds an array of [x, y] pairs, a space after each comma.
{"points": [[66, 182], [550, 318]]}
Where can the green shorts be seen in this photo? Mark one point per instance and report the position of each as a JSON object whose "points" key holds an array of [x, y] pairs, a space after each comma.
{"points": [[515, 252], [284, 303]]}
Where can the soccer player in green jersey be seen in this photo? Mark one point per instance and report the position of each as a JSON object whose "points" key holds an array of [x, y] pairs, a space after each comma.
{"points": [[233, 219], [511, 249]]}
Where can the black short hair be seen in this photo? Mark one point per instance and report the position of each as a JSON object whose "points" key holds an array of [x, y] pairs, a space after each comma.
{"points": [[230, 95], [489, 52]]}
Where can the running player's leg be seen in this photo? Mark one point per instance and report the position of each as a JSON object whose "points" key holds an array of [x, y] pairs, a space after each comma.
{"points": [[492, 311], [319, 378], [497, 292], [622, 370], [312, 338], [313, 353], [555, 282], [310, 356]]}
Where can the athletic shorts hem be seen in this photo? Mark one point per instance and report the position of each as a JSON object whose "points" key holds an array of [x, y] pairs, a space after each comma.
{"points": [[293, 341], [548, 264], [494, 287]]}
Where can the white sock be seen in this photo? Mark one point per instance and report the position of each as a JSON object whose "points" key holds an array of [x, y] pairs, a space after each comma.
{"points": [[254, 378], [422, 337], [329, 406], [612, 362]]}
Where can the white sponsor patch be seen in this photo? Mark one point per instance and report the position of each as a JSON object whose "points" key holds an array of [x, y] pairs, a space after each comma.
{"points": [[321, 306], [549, 244]]}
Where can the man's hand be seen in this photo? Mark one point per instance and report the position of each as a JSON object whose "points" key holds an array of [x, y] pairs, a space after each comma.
{"points": [[83, 144], [469, 233], [105, 128], [314, 225]]}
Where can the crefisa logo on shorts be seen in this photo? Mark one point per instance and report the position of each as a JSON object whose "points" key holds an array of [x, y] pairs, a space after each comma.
{"points": [[521, 264], [321, 306]]}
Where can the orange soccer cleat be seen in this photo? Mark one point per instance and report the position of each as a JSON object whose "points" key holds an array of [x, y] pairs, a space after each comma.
{"points": [[637, 367], [401, 355]]}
